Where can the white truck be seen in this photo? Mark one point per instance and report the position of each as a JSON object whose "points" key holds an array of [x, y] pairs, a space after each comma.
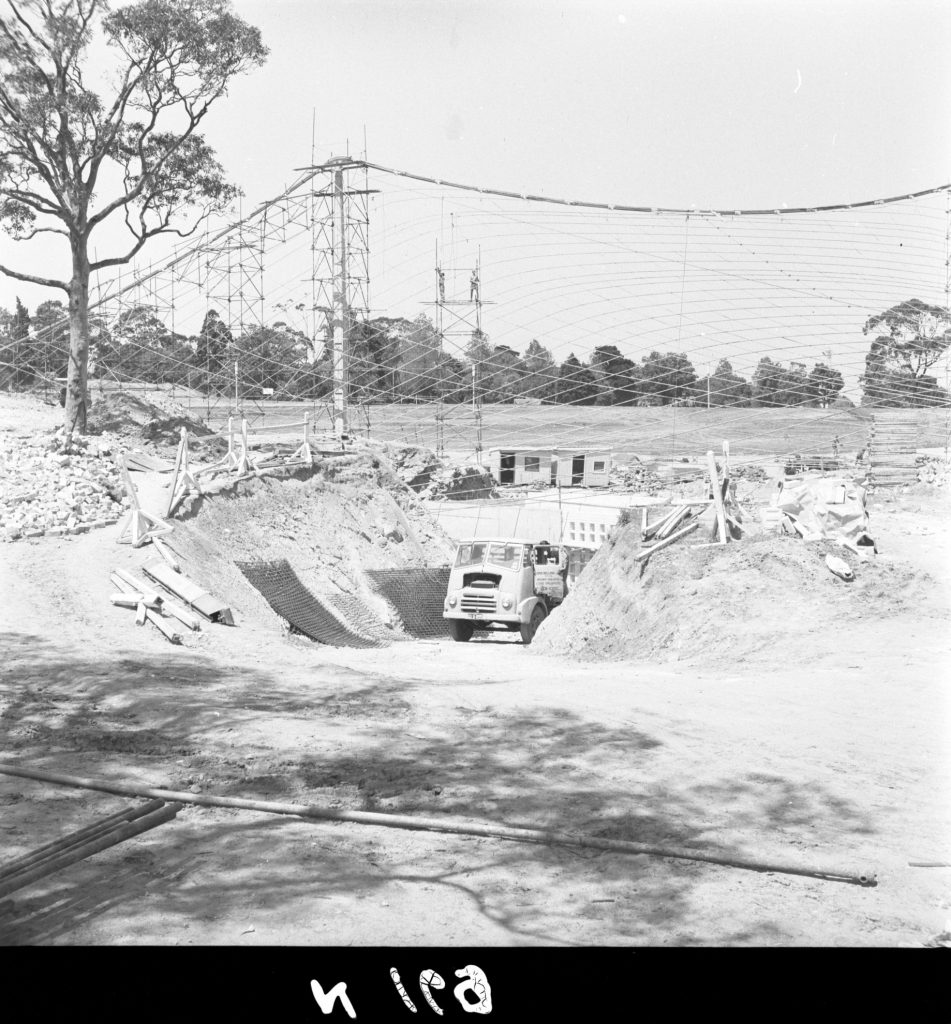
{"points": [[504, 584]]}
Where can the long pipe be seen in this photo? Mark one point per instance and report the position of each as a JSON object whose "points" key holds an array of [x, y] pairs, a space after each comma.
{"points": [[524, 835], [11, 883], [78, 838], [647, 552]]}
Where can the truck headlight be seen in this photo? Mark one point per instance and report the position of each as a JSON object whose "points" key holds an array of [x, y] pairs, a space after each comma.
{"points": [[451, 600], [507, 601]]}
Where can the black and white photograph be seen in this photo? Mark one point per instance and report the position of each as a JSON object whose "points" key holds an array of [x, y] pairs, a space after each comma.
{"points": [[474, 493]]}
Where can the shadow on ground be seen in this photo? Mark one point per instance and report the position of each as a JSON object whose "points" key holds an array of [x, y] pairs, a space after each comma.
{"points": [[109, 715]]}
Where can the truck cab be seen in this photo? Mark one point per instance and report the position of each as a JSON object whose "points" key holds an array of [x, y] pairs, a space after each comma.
{"points": [[504, 584]]}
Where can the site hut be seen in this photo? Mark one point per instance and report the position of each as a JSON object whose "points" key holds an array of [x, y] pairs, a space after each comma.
{"points": [[576, 468], [581, 468], [522, 465]]}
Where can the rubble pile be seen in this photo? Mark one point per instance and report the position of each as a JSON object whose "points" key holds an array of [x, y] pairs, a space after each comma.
{"points": [[933, 471], [414, 466], [459, 483], [751, 473], [437, 479], [46, 490], [636, 477], [130, 417]]}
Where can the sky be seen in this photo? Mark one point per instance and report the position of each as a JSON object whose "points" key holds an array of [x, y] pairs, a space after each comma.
{"points": [[679, 103], [722, 104]]}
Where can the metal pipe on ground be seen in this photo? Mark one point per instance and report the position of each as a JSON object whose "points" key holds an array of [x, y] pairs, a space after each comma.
{"points": [[78, 837], [401, 821], [10, 883], [645, 553]]}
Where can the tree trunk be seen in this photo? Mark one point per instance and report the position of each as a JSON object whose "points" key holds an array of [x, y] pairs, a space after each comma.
{"points": [[77, 373]]}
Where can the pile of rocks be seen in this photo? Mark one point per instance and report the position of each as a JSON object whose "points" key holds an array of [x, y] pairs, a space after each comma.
{"points": [[459, 483], [46, 490], [413, 465], [437, 479], [749, 472], [636, 477], [933, 471]]}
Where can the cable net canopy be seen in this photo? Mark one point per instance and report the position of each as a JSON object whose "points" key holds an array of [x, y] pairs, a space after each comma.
{"points": [[457, 295]]}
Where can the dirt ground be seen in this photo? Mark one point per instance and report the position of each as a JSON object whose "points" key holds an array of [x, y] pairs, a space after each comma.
{"points": [[826, 747]]}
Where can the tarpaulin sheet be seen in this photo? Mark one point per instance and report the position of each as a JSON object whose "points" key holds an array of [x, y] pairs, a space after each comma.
{"points": [[417, 594], [826, 507], [285, 593]]}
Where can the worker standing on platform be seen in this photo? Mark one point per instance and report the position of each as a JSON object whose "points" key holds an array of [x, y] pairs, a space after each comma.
{"points": [[441, 278], [474, 286]]}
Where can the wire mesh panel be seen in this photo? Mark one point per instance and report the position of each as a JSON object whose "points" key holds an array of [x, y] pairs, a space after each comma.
{"points": [[417, 594], [285, 593], [362, 619]]}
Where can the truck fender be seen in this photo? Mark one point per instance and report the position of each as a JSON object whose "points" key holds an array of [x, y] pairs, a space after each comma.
{"points": [[527, 606]]}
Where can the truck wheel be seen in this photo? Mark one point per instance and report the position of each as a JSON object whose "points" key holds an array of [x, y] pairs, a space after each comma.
{"points": [[530, 628], [460, 630]]}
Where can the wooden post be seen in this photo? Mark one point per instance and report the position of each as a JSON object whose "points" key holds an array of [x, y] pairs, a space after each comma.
{"points": [[173, 484], [160, 547], [717, 498]]}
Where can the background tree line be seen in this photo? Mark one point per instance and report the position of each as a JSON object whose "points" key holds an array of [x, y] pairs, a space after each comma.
{"points": [[393, 359]]}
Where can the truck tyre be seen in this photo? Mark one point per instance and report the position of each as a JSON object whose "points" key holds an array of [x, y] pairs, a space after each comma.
{"points": [[530, 628], [460, 630]]}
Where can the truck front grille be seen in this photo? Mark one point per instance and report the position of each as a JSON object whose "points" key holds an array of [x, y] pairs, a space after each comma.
{"points": [[478, 603]]}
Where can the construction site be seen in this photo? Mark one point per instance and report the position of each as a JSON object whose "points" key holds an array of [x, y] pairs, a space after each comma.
{"points": [[331, 671]]}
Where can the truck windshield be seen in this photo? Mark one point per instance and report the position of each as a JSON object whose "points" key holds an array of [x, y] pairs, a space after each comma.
{"points": [[470, 554], [508, 556]]}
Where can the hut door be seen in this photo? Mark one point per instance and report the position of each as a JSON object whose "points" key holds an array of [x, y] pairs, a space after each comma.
{"points": [[506, 467], [577, 471]]}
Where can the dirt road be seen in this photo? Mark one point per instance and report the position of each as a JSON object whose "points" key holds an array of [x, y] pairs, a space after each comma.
{"points": [[830, 749]]}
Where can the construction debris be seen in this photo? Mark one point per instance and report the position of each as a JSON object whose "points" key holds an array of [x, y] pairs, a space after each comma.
{"points": [[636, 477], [148, 608], [438, 478], [189, 592], [932, 470], [840, 568], [46, 491], [818, 508]]}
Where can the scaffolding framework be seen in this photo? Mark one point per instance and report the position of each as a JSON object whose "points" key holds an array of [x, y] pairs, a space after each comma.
{"points": [[327, 211]]}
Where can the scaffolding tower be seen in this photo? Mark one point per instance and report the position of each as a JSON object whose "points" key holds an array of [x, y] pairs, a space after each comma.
{"points": [[460, 318]]}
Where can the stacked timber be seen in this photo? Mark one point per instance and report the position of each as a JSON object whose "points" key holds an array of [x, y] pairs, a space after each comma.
{"points": [[893, 448]]}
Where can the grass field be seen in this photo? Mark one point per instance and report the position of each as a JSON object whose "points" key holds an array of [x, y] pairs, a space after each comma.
{"points": [[664, 433]]}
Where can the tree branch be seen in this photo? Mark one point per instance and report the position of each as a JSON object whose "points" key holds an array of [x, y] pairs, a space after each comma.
{"points": [[46, 282], [29, 28], [42, 231]]}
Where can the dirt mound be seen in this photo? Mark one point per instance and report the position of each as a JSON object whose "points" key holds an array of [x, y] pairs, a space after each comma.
{"points": [[129, 416], [437, 478], [688, 602], [331, 522]]}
